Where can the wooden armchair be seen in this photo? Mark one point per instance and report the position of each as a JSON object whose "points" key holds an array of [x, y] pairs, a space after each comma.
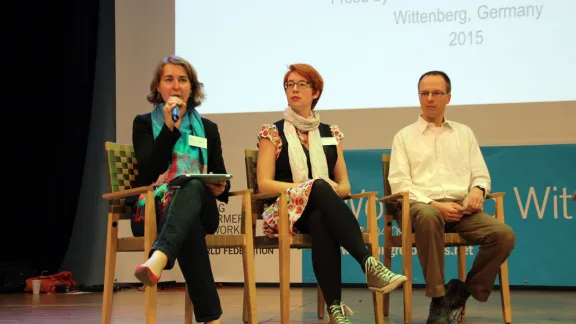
{"points": [[122, 169], [284, 241], [396, 208]]}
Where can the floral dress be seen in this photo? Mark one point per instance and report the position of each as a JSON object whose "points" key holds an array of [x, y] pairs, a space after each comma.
{"points": [[297, 197]]}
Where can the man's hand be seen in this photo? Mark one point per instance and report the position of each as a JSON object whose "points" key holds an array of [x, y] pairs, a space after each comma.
{"points": [[216, 188], [451, 212], [475, 200]]}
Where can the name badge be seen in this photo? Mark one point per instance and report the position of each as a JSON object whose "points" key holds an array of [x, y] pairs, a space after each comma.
{"points": [[196, 141], [329, 141]]}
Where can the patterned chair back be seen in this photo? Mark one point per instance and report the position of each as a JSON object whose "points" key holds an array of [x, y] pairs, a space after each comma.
{"points": [[122, 171]]}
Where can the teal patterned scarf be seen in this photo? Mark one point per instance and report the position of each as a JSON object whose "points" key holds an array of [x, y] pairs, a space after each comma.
{"points": [[185, 158], [190, 159]]}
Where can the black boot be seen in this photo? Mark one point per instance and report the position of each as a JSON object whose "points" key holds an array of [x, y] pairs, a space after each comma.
{"points": [[438, 311], [456, 296]]}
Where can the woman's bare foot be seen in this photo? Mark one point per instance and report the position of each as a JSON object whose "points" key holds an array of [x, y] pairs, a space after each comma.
{"points": [[149, 272]]}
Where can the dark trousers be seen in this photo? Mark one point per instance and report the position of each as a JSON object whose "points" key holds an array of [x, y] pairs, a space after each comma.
{"points": [[189, 216], [331, 224]]}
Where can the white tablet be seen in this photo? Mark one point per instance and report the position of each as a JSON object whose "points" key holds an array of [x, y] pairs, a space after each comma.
{"points": [[210, 178]]}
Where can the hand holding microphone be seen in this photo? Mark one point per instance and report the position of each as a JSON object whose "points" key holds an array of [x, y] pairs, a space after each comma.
{"points": [[173, 110]]}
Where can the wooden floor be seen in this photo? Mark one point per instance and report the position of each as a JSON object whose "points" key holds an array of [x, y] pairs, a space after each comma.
{"points": [[527, 307]]}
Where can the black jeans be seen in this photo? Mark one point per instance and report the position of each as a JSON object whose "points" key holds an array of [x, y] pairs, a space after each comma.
{"points": [[190, 215], [331, 224]]}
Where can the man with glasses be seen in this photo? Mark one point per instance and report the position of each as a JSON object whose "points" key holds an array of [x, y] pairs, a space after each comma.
{"points": [[438, 161]]}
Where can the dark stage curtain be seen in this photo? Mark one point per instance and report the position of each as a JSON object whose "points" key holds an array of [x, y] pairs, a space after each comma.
{"points": [[50, 70]]}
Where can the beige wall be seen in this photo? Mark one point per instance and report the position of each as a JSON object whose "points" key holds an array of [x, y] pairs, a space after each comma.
{"points": [[145, 34]]}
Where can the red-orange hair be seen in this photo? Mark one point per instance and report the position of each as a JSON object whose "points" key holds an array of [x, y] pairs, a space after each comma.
{"points": [[311, 75]]}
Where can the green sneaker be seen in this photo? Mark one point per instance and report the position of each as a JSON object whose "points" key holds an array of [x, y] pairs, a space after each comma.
{"points": [[339, 314], [379, 278]]}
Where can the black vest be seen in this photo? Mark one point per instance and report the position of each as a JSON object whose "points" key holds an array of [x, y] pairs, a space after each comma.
{"points": [[283, 172]]}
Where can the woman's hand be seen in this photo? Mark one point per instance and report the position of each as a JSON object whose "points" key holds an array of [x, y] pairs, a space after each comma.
{"points": [[216, 188], [168, 106]]}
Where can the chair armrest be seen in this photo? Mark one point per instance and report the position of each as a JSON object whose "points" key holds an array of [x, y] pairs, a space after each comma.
{"points": [[239, 192], [394, 197], [361, 195], [127, 193], [496, 194], [262, 196]]}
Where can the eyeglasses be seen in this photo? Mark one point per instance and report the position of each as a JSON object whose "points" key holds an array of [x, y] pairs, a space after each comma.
{"points": [[435, 94], [300, 84]]}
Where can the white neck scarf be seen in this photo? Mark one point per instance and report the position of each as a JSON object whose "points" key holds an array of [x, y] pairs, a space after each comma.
{"points": [[297, 157]]}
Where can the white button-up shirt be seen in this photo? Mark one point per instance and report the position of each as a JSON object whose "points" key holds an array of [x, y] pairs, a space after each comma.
{"points": [[432, 162]]}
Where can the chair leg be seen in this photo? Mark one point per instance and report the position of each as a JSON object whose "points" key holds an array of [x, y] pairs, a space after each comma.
{"points": [[284, 240], [245, 302], [462, 269], [505, 292], [284, 283], [387, 259], [110, 267], [320, 303], [462, 263], [407, 259], [407, 266], [150, 233], [188, 308], [377, 298], [377, 305], [150, 297], [387, 264], [250, 313]]}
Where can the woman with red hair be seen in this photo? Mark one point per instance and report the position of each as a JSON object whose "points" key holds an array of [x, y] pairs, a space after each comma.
{"points": [[303, 156]]}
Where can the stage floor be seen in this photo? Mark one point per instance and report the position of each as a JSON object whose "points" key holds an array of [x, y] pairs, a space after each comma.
{"points": [[527, 307]]}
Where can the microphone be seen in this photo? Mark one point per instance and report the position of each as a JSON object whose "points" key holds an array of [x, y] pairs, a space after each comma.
{"points": [[175, 113]]}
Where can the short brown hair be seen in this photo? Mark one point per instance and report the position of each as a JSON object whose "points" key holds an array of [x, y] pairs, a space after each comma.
{"points": [[196, 96], [440, 73], [311, 75]]}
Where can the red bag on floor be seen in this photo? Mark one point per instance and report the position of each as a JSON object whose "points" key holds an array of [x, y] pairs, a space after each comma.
{"points": [[48, 284]]}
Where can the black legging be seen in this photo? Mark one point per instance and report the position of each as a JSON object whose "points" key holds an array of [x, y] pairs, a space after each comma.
{"points": [[331, 224]]}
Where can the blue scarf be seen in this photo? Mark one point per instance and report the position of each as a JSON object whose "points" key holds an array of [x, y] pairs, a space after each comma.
{"points": [[185, 158]]}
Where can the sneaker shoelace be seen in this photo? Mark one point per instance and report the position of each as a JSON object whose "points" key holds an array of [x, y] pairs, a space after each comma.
{"points": [[456, 315], [378, 269], [452, 315], [458, 306], [340, 312]]}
